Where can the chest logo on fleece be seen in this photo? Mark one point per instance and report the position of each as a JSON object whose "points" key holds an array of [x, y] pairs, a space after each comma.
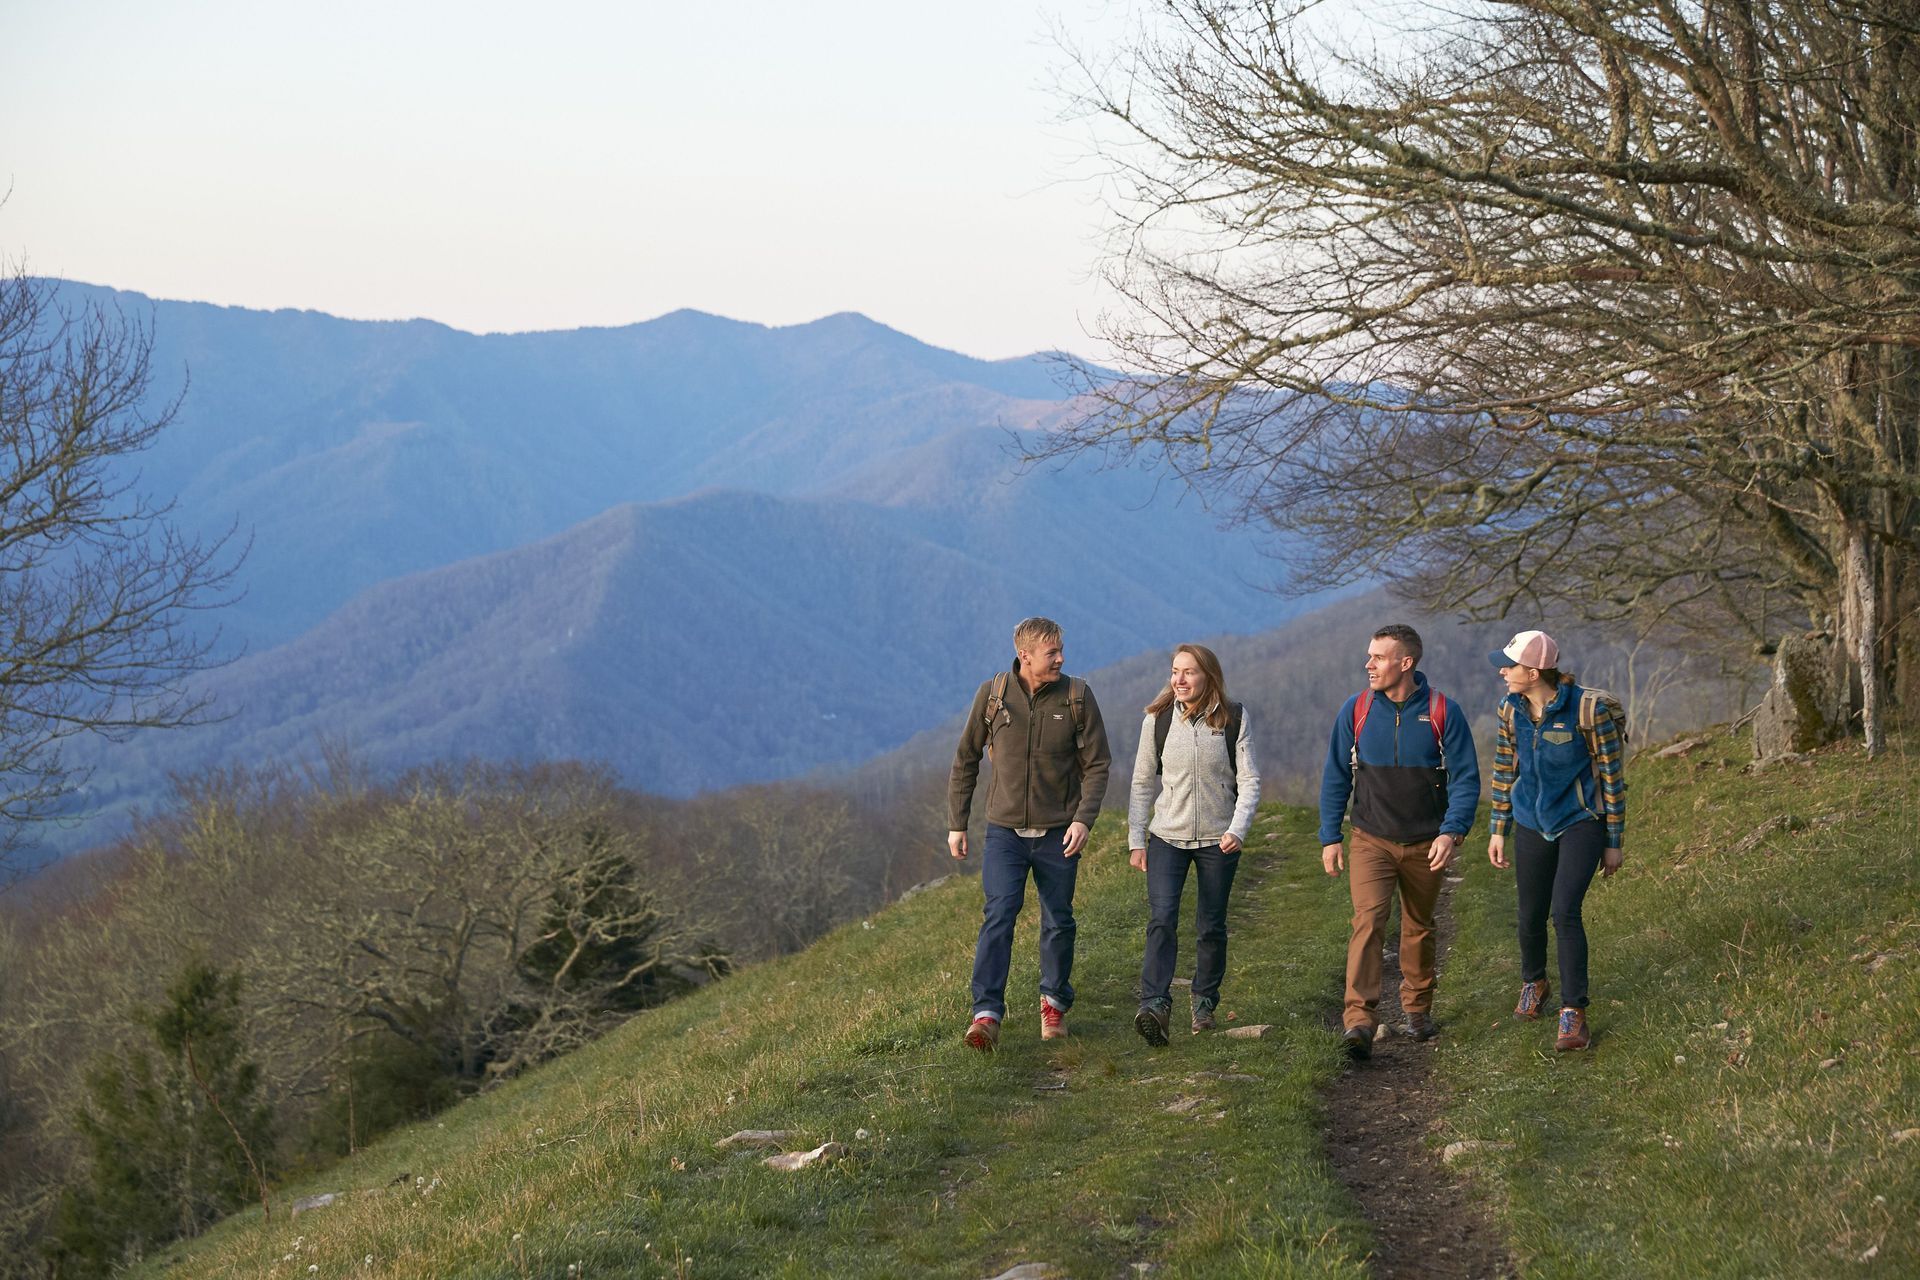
{"points": [[1558, 737]]}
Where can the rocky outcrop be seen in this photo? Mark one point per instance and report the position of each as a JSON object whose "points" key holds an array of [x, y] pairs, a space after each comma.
{"points": [[1807, 705]]}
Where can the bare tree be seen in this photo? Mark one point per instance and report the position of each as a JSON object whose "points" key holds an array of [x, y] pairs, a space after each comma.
{"points": [[99, 589], [1610, 305]]}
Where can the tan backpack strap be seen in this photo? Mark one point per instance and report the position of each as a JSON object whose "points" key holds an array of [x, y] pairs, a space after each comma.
{"points": [[996, 697], [1590, 720], [996, 703]]}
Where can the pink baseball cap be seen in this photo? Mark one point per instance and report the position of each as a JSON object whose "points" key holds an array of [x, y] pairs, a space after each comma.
{"points": [[1534, 649]]}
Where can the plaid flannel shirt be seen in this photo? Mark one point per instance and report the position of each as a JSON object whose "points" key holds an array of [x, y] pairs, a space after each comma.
{"points": [[1607, 754]]}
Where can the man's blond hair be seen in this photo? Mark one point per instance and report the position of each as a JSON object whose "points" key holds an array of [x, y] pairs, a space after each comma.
{"points": [[1033, 631]]}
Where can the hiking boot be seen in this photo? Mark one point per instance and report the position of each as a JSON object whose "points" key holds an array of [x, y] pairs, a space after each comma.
{"points": [[984, 1034], [1202, 1014], [1421, 1026], [1533, 997], [1053, 1022], [1573, 1030], [1151, 1023], [1358, 1042]]}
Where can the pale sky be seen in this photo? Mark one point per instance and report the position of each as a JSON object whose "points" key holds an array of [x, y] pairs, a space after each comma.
{"points": [[581, 162]]}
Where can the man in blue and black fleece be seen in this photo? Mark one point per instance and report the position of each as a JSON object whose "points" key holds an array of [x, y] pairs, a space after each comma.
{"points": [[1403, 754]]}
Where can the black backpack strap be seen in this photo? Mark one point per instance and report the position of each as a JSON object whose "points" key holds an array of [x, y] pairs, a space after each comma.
{"points": [[1163, 724]]}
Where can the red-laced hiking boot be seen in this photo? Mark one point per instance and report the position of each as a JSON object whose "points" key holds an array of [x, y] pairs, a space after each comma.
{"points": [[1573, 1030], [984, 1034], [1533, 997], [1053, 1023]]}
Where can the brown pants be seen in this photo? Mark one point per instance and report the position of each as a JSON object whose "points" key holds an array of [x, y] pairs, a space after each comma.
{"points": [[1375, 867]]}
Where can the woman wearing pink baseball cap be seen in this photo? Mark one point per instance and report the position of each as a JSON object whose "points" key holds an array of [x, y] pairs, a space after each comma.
{"points": [[1559, 784]]}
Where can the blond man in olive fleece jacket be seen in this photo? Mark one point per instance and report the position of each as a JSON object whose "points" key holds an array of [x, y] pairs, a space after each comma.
{"points": [[1050, 764]]}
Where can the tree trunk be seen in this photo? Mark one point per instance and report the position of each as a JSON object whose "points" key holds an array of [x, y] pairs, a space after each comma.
{"points": [[1902, 639], [1860, 630]]}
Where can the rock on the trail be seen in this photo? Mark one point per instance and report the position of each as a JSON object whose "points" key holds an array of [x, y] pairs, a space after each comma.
{"points": [[789, 1161], [1470, 1147], [1032, 1271], [1255, 1032], [1380, 1032], [320, 1201], [757, 1138]]}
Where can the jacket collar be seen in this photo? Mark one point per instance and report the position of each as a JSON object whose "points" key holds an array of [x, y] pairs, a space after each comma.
{"points": [[1419, 690], [1556, 705], [1021, 685]]}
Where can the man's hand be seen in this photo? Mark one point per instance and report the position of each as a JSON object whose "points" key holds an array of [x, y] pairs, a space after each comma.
{"points": [[1440, 853], [1497, 851], [1137, 859], [957, 843], [1333, 858], [1610, 860], [1229, 843], [1076, 837]]}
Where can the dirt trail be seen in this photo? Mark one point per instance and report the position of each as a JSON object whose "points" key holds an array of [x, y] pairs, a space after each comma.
{"points": [[1428, 1221]]}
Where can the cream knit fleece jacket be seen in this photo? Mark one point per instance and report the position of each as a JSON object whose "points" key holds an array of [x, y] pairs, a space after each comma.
{"points": [[1200, 798]]}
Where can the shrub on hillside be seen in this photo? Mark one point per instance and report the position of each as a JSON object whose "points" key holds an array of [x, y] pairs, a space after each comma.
{"points": [[169, 1132]]}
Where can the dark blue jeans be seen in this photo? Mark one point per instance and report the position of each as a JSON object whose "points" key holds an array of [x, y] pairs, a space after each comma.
{"points": [[1553, 875], [1003, 878], [1166, 881]]}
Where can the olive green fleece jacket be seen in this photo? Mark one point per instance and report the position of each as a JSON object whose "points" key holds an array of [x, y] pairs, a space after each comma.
{"points": [[1041, 778]]}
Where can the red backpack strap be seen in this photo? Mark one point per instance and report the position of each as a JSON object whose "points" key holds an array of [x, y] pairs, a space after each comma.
{"points": [[1437, 717], [1361, 705]]}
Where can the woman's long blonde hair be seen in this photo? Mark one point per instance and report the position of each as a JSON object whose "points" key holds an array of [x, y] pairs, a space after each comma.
{"points": [[1209, 662]]}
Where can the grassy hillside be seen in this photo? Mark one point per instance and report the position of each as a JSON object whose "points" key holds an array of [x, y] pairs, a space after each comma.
{"points": [[1090, 1155], [1751, 1106]]}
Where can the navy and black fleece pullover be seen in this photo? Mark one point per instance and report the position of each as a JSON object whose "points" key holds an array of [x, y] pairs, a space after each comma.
{"points": [[1399, 790]]}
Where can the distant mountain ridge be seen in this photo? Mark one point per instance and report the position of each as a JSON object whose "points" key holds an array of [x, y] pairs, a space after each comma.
{"points": [[355, 451], [704, 551], [721, 638]]}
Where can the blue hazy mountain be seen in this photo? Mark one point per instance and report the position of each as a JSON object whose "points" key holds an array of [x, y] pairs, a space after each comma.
{"points": [[353, 452], [703, 551], [694, 643]]}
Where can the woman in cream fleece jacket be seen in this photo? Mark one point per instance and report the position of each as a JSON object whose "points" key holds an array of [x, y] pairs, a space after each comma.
{"points": [[1196, 750]]}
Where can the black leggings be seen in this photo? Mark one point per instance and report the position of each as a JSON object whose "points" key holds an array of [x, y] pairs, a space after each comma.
{"points": [[1556, 873]]}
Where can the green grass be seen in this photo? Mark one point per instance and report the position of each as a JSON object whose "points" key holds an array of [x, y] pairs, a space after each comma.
{"points": [[605, 1160], [1756, 1054], [1757, 1034]]}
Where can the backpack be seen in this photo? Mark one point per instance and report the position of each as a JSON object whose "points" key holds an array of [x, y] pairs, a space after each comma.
{"points": [[1076, 704], [1163, 725], [1436, 719], [1591, 700]]}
